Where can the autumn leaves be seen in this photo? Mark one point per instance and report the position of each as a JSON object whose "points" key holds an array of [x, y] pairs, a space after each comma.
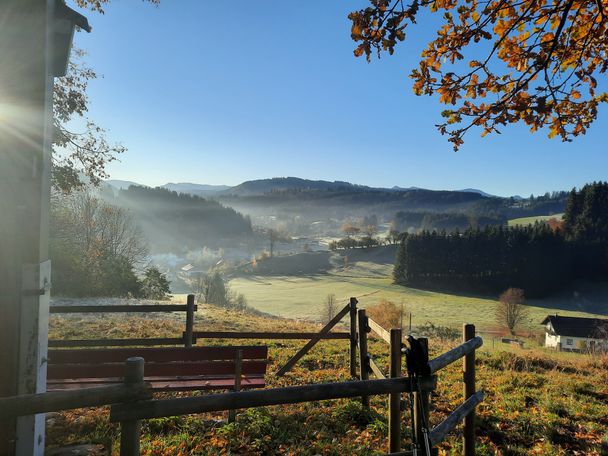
{"points": [[531, 61]]}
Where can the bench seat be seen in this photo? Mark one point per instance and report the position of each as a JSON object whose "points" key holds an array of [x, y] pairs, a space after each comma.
{"points": [[165, 369]]}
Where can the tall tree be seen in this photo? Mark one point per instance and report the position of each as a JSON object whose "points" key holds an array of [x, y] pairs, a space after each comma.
{"points": [[79, 157], [511, 310], [586, 216], [496, 62], [94, 247]]}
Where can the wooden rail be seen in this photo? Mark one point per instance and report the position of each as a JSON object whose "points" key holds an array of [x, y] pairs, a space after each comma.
{"points": [[269, 335], [375, 369], [383, 333], [455, 354], [145, 342], [187, 339], [313, 341], [266, 397], [439, 432], [122, 308], [32, 404]]}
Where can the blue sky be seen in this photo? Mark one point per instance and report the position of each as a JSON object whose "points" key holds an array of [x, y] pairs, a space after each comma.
{"points": [[222, 92]]}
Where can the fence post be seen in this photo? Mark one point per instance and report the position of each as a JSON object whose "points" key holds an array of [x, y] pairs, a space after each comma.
{"points": [[189, 321], [353, 337], [130, 430], [468, 368], [363, 354], [238, 370], [394, 417], [421, 408]]}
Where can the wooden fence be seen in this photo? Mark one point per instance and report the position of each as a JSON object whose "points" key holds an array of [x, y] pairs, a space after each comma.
{"points": [[190, 337], [420, 406], [132, 401], [186, 339]]}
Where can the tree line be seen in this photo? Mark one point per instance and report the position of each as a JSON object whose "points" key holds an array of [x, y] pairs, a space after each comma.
{"points": [[539, 259], [97, 250]]}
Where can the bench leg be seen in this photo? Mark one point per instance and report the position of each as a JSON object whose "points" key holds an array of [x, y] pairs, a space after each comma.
{"points": [[130, 431], [238, 369]]}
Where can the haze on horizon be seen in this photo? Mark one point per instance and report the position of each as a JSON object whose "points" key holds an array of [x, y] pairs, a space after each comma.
{"points": [[273, 96]]}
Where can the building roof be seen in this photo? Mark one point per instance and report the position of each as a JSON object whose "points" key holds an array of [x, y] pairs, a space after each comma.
{"points": [[65, 12], [594, 328]]}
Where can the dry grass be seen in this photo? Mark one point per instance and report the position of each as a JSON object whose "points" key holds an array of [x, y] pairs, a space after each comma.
{"points": [[538, 402]]}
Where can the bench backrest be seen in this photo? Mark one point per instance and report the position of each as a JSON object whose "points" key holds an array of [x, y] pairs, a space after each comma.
{"points": [[159, 362]]}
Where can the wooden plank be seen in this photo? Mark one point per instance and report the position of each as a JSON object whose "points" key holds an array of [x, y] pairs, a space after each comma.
{"points": [[169, 384], [152, 378], [77, 371], [267, 335], [421, 408], [121, 308], [375, 369], [115, 342], [31, 404], [115, 355], [266, 397], [468, 370], [439, 432], [353, 337], [313, 341], [364, 360], [188, 337], [394, 417], [219, 384], [383, 333], [455, 354]]}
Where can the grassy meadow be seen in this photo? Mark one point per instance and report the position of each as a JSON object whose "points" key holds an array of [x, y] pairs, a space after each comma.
{"points": [[531, 220], [302, 297]]}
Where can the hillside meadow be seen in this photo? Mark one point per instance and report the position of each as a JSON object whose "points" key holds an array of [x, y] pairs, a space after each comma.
{"points": [[537, 402], [522, 221], [302, 297]]}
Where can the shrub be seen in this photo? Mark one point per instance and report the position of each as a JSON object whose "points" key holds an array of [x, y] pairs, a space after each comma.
{"points": [[155, 284], [386, 314], [444, 333], [329, 308]]}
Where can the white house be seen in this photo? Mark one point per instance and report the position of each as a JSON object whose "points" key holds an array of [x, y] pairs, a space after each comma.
{"points": [[575, 333]]}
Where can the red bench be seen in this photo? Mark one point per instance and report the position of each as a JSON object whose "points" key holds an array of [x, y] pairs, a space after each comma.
{"points": [[166, 369]]}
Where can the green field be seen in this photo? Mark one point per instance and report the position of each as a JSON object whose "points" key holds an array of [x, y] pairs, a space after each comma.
{"points": [[303, 297], [531, 220]]}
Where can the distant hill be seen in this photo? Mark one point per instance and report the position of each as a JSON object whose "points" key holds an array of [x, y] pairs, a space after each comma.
{"points": [[194, 189], [403, 189], [283, 184], [479, 192], [122, 184]]}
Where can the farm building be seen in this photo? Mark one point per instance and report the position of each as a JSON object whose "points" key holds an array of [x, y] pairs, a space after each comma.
{"points": [[575, 333]]}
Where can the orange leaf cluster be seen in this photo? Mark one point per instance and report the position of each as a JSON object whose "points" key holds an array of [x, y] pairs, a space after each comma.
{"points": [[541, 60]]}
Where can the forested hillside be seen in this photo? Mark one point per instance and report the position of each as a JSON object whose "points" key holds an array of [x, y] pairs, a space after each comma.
{"points": [[174, 222], [540, 259]]}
